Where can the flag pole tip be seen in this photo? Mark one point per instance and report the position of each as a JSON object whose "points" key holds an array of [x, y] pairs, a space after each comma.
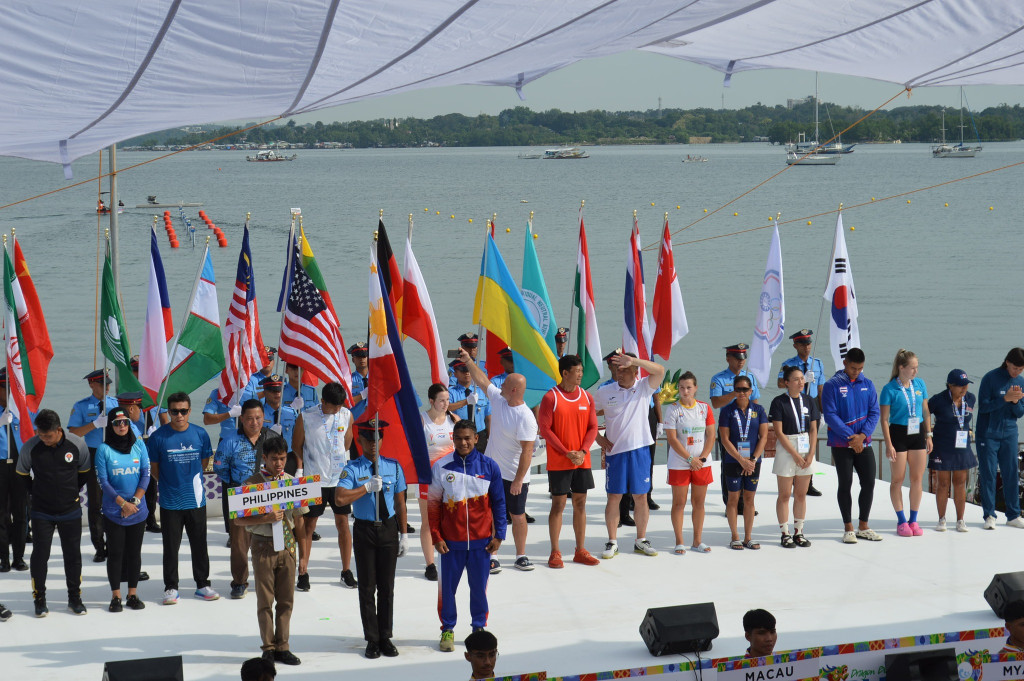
{"points": [[582, 201], [247, 215], [634, 214], [381, 215]]}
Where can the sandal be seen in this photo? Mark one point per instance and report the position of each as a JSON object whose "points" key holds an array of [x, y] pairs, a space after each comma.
{"points": [[701, 548], [680, 549], [736, 544], [752, 545], [787, 542], [801, 541]]}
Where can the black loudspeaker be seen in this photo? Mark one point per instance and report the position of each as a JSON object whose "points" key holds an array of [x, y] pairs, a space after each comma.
{"points": [[145, 669], [923, 665], [680, 628], [1005, 588]]}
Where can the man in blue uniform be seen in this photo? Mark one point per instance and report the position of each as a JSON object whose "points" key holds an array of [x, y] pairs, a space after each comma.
{"points": [[561, 338], [217, 413], [507, 367], [13, 501], [722, 393], [279, 417], [294, 389], [252, 390], [471, 344], [468, 401], [87, 421], [814, 376], [999, 408], [360, 355], [373, 485]]}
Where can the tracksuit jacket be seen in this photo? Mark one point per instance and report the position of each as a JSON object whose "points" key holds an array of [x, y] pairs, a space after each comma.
{"points": [[849, 408]]}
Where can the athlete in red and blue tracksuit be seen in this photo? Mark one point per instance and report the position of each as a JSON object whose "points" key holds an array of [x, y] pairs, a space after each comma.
{"points": [[466, 506]]}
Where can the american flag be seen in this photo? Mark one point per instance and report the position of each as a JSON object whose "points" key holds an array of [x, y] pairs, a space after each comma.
{"points": [[246, 352], [309, 337]]}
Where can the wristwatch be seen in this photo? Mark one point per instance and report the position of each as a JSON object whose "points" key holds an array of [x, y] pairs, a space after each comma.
{"points": [[133, 500]]}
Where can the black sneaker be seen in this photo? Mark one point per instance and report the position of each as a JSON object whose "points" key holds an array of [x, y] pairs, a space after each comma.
{"points": [[41, 609], [134, 602], [5, 564], [286, 657], [302, 584], [143, 576], [115, 604], [431, 573], [410, 529], [388, 649], [811, 491], [76, 606], [5, 614], [20, 565], [153, 527], [530, 518], [238, 591], [348, 579], [99, 556], [316, 536], [495, 566]]}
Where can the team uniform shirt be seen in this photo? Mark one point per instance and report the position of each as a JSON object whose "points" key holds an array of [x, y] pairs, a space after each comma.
{"points": [[510, 426], [439, 437], [625, 414], [179, 457], [253, 388], [358, 472], [812, 365], [358, 386], [286, 420], [9, 446], [121, 474], [690, 424], [240, 459], [466, 501], [950, 420], [309, 396], [568, 423], [997, 418], [734, 418], [54, 472], [229, 426], [782, 407], [897, 397], [85, 412], [481, 409], [721, 383], [849, 408], [323, 451]]}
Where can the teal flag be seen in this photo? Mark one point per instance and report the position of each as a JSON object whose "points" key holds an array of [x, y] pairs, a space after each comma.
{"points": [[538, 304]]}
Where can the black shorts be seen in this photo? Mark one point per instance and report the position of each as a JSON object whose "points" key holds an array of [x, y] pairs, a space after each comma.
{"points": [[902, 442], [317, 510], [575, 480], [515, 505]]}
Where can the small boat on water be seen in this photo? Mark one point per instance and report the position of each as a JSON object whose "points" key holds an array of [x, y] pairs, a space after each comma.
{"points": [[695, 159], [797, 158], [565, 153], [151, 202], [268, 156], [961, 150]]}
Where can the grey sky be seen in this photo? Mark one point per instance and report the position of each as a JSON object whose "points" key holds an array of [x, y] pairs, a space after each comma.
{"points": [[635, 80]]}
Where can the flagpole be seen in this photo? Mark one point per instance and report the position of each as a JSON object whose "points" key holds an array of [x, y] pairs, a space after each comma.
{"points": [[483, 289], [7, 384], [177, 337], [828, 273], [575, 290], [288, 279], [376, 414]]}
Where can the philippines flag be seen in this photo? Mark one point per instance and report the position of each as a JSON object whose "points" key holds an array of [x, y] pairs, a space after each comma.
{"points": [[246, 352], [669, 315], [844, 332], [636, 330], [382, 379], [159, 329]]}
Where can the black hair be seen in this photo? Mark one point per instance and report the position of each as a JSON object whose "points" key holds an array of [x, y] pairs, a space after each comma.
{"points": [[788, 371], [175, 398], [855, 355], [686, 375], [334, 394], [47, 420], [1015, 357], [258, 669], [758, 619], [464, 424], [251, 404], [481, 639], [436, 389], [275, 444], [568, 362], [743, 377]]}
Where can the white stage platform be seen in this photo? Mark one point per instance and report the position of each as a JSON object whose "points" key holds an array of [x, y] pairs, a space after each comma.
{"points": [[566, 622]]}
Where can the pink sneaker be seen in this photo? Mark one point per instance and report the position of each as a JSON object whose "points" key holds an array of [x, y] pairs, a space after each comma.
{"points": [[903, 530], [916, 529]]}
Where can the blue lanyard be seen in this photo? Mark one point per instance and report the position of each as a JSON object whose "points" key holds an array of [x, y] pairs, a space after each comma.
{"points": [[801, 418], [744, 428], [963, 409], [911, 403]]}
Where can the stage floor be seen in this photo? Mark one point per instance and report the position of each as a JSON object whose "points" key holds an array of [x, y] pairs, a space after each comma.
{"points": [[570, 621]]}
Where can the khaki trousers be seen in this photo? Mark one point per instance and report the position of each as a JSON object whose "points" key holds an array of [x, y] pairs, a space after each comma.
{"points": [[239, 538], [274, 573]]}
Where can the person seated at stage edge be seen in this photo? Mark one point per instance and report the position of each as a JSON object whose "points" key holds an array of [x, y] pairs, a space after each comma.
{"points": [[482, 653], [1014, 616]]}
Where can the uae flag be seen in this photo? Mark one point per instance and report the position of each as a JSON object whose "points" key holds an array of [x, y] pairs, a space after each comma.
{"points": [[588, 343]]}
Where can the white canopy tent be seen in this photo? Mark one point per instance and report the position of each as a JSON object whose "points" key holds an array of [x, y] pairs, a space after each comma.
{"points": [[79, 75]]}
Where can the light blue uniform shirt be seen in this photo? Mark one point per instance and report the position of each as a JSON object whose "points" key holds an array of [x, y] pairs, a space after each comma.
{"points": [[15, 441], [358, 385], [288, 416], [721, 383], [229, 426], [309, 396], [457, 393], [356, 473], [812, 364], [85, 412], [893, 395]]}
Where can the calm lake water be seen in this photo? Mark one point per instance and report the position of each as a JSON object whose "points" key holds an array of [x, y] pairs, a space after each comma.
{"points": [[942, 281]]}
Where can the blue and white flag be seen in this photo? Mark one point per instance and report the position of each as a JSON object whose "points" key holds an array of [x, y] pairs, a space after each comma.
{"points": [[771, 315], [844, 332]]}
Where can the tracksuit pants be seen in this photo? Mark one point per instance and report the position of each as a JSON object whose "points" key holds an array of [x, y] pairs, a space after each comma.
{"points": [[193, 522], [1001, 452], [69, 528], [12, 513], [476, 563]]}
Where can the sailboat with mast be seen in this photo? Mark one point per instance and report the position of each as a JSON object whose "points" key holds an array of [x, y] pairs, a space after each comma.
{"points": [[960, 150], [808, 152]]}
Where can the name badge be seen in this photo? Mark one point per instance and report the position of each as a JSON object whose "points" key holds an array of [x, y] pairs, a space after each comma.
{"points": [[803, 443], [744, 448], [337, 462], [809, 377], [961, 439], [913, 425]]}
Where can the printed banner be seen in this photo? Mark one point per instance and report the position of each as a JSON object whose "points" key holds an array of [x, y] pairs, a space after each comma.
{"points": [[277, 495]]}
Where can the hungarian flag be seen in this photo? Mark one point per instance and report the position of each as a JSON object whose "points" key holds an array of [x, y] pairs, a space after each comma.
{"points": [[159, 329], [246, 352], [418, 320], [33, 332], [669, 315], [588, 342], [636, 331], [19, 371], [113, 335]]}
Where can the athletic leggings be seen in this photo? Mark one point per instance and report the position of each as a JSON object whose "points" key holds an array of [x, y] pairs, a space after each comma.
{"points": [[124, 551], [846, 461]]}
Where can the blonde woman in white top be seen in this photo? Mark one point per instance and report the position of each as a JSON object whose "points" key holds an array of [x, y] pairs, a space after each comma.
{"points": [[437, 428]]}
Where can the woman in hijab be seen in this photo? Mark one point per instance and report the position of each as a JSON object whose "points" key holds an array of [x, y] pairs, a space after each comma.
{"points": [[122, 467]]}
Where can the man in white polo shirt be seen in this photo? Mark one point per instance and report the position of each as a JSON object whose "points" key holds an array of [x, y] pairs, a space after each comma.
{"points": [[625, 445], [513, 431]]}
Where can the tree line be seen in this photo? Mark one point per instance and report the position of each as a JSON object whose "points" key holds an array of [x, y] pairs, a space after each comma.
{"points": [[520, 126]]}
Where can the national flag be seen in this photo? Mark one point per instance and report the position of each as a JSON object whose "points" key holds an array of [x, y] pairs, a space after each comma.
{"points": [[113, 335], [19, 371], [246, 352], [198, 351], [636, 330], [34, 333], [418, 320], [286, 279], [310, 338], [588, 342], [771, 314], [844, 333], [669, 315], [382, 377], [389, 271], [312, 269], [159, 327], [499, 307]]}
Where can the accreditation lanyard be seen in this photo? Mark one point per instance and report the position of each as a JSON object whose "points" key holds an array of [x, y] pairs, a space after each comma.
{"points": [[803, 440], [744, 431], [333, 435], [913, 422], [961, 435]]}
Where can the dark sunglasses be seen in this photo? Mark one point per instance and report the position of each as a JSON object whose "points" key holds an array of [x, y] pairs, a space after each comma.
{"points": [[742, 390], [178, 412], [120, 422]]}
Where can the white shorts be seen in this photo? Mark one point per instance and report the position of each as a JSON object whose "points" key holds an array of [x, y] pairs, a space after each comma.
{"points": [[785, 465]]}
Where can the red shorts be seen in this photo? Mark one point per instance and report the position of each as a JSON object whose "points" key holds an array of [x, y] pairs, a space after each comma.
{"points": [[685, 477]]}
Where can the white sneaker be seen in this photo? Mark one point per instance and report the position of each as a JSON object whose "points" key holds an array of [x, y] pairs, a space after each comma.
{"points": [[961, 526], [869, 534], [1016, 522], [941, 525], [645, 548], [610, 549], [170, 597], [850, 537], [990, 523], [207, 594]]}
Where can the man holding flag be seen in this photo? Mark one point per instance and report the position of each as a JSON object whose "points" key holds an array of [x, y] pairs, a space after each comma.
{"points": [[88, 419]]}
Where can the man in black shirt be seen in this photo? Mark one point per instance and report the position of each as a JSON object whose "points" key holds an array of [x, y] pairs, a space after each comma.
{"points": [[53, 466]]}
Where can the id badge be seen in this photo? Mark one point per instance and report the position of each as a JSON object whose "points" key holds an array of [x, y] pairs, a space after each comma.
{"points": [[803, 443], [744, 448], [337, 462], [961, 439], [913, 425]]}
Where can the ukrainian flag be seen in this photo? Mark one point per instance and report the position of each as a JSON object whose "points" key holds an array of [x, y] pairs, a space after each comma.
{"points": [[499, 307]]}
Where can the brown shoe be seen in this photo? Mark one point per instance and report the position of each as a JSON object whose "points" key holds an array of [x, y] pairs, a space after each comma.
{"points": [[583, 557], [555, 560]]}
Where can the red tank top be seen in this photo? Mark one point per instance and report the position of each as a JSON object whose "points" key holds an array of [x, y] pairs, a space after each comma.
{"points": [[570, 417]]}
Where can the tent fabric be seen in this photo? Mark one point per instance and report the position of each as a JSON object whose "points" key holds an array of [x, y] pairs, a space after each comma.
{"points": [[79, 75]]}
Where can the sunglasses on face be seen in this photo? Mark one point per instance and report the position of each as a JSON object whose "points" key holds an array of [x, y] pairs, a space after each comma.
{"points": [[742, 390], [178, 412], [120, 422]]}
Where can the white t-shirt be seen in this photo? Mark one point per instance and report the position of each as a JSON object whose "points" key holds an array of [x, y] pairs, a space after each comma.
{"points": [[625, 414], [690, 424], [439, 437], [510, 426]]}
